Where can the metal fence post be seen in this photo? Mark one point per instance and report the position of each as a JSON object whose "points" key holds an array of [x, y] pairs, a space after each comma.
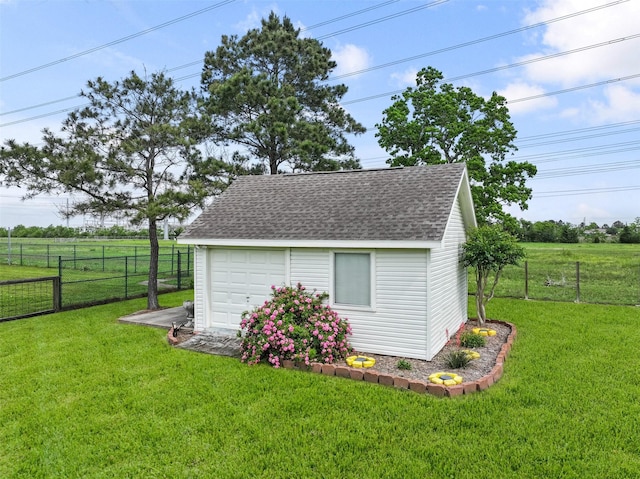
{"points": [[126, 277], [577, 281], [179, 270], [48, 266], [9, 245], [526, 280], [21, 254], [189, 260], [103, 258], [57, 293], [59, 276], [173, 252]]}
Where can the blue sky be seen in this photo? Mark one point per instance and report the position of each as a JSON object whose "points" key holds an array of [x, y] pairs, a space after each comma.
{"points": [[584, 140]]}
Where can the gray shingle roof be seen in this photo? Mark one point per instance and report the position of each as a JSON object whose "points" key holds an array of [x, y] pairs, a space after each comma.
{"points": [[386, 204]]}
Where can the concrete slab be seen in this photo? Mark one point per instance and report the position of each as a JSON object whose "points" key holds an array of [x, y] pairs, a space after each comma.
{"points": [[162, 318]]}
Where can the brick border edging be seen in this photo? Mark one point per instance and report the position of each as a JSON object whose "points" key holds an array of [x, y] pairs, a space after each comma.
{"points": [[416, 385]]}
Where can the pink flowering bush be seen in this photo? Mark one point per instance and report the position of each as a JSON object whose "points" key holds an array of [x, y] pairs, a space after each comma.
{"points": [[294, 325]]}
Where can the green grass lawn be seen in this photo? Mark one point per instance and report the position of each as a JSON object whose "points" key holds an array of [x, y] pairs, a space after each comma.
{"points": [[84, 396]]}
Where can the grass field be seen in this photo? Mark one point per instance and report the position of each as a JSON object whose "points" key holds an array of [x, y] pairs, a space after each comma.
{"points": [[609, 273], [90, 255], [84, 396]]}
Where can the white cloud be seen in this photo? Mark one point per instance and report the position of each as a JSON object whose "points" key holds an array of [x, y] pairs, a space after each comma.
{"points": [[350, 58], [622, 104], [603, 25], [405, 78], [518, 90], [253, 19]]}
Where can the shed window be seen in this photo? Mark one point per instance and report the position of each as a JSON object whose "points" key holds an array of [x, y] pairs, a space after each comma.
{"points": [[352, 282]]}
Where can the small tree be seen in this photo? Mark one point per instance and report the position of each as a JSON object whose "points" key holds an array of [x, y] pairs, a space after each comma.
{"points": [[489, 249]]}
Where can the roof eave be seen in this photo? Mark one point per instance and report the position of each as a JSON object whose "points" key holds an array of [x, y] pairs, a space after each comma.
{"points": [[332, 244]]}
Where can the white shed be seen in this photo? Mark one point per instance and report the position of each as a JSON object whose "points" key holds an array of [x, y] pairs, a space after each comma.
{"points": [[385, 244]]}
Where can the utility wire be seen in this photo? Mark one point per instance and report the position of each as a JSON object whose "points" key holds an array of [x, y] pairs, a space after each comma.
{"points": [[120, 40], [579, 130], [590, 149], [576, 88], [576, 138], [383, 19], [534, 97], [588, 191], [568, 52], [349, 15], [386, 94], [587, 170], [484, 39]]}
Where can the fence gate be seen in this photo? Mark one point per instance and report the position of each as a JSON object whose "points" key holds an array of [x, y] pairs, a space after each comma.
{"points": [[21, 298]]}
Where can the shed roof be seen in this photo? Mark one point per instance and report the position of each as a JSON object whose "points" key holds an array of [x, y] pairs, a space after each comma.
{"points": [[391, 204]]}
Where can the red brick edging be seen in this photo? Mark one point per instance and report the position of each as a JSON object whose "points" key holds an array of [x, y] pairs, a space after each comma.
{"points": [[416, 385]]}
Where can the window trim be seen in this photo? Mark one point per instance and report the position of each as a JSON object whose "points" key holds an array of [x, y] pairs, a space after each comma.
{"points": [[372, 281]]}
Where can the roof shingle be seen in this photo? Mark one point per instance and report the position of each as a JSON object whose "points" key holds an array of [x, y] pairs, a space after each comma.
{"points": [[402, 204]]}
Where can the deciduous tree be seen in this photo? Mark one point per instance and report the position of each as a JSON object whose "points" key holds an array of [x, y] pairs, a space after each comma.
{"points": [[436, 122]]}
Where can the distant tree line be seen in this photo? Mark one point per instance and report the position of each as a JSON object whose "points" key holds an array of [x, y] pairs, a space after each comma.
{"points": [[52, 231], [549, 231], [552, 231]]}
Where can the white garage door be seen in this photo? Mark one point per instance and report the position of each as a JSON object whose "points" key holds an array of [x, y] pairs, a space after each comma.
{"points": [[241, 279]]}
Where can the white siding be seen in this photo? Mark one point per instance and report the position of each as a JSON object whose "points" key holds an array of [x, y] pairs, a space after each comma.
{"points": [[397, 325], [447, 285], [310, 267], [200, 285]]}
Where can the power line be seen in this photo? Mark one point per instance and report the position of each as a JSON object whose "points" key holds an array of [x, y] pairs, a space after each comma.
{"points": [[348, 15], [120, 40], [534, 97], [587, 170], [460, 45], [588, 191], [576, 138], [488, 38], [40, 105], [576, 88], [383, 19], [579, 130], [593, 150]]}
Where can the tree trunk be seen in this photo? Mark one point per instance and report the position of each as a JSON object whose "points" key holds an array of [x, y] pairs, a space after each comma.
{"points": [[480, 285], [152, 296]]}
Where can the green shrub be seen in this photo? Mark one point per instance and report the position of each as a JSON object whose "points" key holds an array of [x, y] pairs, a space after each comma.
{"points": [[469, 339], [457, 359], [295, 325], [404, 365]]}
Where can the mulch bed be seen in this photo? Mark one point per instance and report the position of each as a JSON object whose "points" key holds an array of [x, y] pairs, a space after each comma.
{"points": [[420, 369]]}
